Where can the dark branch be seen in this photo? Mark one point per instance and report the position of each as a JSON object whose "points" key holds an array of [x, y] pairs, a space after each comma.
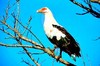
{"points": [[26, 62], [89, 9], [82, 13]]}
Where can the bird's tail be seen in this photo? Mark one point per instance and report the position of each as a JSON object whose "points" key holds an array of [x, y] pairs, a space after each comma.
{"points": [[73, 56], [70, 64]]}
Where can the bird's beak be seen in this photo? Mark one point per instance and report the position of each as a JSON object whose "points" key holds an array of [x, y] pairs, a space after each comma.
{"points": [[39, 11]]}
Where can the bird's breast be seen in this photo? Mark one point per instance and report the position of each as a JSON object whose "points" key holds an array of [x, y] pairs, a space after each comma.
{"points": [[51, 32]]}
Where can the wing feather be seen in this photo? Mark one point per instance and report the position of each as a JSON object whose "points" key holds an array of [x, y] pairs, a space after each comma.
{"points": [[69, 44]]}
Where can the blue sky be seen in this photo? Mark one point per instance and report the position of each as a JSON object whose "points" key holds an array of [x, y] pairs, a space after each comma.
{"points": [[85, 29]]}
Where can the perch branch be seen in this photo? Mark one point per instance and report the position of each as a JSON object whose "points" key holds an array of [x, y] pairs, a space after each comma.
{"points": [[20, 37], [38, 46]]}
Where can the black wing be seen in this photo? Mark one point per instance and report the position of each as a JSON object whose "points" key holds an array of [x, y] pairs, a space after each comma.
{"points": [[71, 47]]}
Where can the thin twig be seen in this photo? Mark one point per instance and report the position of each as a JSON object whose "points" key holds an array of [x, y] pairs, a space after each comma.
{"points": [[27, 63], [27, 24], [8, 33], [37, 53], [17, 45], [20, 36], [89, 9], [82, 13], [28, 30], [30, 56]]}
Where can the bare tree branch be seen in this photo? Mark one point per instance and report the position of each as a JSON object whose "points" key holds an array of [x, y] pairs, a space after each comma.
{"points": [[95, 1], [13, 32], [28, 30], [27, 25], [15, 45], [88, 9], [16, 36]]}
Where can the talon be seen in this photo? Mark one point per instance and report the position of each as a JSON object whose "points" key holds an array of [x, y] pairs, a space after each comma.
{"points": [[52, 50], [58, 58]]}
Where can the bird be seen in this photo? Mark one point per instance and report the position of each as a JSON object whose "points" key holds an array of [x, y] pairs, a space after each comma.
{"points": [[58, 35]]}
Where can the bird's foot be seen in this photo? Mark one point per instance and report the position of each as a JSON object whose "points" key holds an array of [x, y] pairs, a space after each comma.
{"points": [[58, 58], [52, 50]]}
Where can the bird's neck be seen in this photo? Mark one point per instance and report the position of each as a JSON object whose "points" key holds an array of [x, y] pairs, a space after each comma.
{"points": [[49, 19]]}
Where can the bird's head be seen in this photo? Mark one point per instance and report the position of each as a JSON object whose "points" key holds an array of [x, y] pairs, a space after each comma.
{"points": [[43, 10]]}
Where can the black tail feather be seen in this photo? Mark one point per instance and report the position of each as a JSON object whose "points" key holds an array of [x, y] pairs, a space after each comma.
{"points": [[71, 64]]}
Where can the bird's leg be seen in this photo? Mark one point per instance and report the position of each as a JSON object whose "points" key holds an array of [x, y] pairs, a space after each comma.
{"points": [[52, 50], [59, 55]]}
